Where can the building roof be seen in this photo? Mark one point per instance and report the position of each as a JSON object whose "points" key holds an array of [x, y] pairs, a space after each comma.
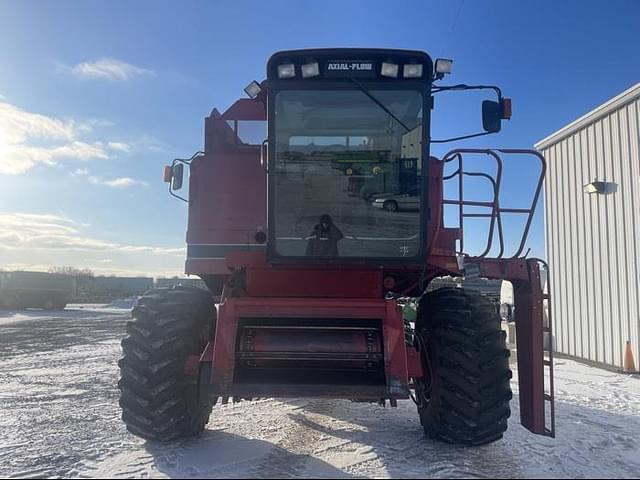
{"points": [[603, 110]]}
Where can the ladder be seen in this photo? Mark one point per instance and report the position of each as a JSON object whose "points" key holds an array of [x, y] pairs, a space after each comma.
{"points": [[547, 353]]}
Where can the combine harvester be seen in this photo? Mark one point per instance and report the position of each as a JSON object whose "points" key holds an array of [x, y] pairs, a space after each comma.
{"points": [[284, 230]]}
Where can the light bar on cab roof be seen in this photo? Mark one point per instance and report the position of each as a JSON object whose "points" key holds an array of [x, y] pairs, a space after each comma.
{"points": [[412, 70], [310, 70], [287, 70], [389, 70]]}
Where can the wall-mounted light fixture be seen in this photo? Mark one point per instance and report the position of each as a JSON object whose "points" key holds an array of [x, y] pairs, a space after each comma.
{"points": [[595, 187]]}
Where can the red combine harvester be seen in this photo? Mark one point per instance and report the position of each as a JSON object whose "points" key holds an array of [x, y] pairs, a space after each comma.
{"points": [[314, 211]]}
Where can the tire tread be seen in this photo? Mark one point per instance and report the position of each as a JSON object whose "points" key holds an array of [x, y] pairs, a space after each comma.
{"points": [[470, 395], [158, 401]]}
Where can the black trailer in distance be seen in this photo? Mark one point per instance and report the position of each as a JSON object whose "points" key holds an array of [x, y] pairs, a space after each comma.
{"points": [[50, 291]]}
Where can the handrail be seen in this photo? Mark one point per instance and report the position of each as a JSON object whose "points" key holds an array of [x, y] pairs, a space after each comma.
{"points": [[495, 214], [534, 202], [496, 210]]}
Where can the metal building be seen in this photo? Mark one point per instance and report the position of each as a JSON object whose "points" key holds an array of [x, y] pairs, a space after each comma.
{"points": [[592, 226]]}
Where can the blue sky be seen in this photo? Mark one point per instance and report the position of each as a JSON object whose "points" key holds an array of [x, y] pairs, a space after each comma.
{"points": [[97, 96]]}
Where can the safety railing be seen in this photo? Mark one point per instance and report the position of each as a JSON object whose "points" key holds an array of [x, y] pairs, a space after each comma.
{"points": [[496, 210]]}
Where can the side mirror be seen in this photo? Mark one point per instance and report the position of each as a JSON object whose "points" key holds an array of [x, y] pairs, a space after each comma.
{"points": [[493, 113], [177, 174]]}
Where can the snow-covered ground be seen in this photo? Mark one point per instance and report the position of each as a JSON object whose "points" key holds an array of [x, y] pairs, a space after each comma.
{"points": [[59, 417]]}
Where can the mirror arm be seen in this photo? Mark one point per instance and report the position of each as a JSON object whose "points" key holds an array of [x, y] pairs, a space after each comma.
{"points": [[462, 86], [453, 139], [173, 194], [187, 162]]}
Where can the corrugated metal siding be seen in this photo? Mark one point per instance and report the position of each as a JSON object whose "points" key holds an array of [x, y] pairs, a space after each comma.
{"points": [[593, 241]]}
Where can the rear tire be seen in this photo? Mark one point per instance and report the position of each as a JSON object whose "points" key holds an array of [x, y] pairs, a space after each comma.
{"points": [[159, 401], [467, 401]]}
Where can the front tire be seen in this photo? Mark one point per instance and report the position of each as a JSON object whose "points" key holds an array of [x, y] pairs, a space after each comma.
{"points": [[159, 401], [467, 401]]}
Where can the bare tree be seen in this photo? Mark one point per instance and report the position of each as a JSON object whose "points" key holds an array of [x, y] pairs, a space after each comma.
{"points": [[72, 271]]}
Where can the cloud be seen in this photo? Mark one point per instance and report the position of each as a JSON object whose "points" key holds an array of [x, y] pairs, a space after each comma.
{"points": [[119, 146], [109, 69], [80, 172], [45, 224], [125, 182], [99, 122], [39, 241], [28, 139], [148, 143], [19, 124], [53, 232], [121, 182]]}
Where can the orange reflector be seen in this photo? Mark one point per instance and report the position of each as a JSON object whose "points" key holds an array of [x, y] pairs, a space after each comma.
{"points": [[506, 108], [168, 174]]}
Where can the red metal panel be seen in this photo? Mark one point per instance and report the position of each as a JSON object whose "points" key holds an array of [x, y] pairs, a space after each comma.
{"points": [[529, 338], [309, 307], [223, 362], [395, 350], [228, 199], [215, 266], [232, 309], [500, 268], [509, 269], [240, 259], [414, 363], [272, 282], [246, 109]]}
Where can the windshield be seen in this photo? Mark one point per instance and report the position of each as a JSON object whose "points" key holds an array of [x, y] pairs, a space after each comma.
{"points": [[347, 173]]}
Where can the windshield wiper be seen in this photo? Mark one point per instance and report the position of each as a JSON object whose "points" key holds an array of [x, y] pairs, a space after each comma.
{"points": [[379, 103]]}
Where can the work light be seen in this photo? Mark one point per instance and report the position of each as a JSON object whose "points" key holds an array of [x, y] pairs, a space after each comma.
{"points": [[443, 66], [310, 70], [389, 70], [253, 89], [412, 71], [594, 187], [287, 70]]}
